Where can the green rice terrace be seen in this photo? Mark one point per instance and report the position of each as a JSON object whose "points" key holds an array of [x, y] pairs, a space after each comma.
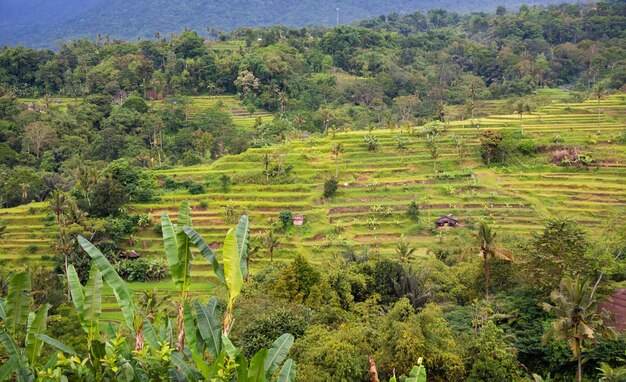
{"points": [[376, 187]]}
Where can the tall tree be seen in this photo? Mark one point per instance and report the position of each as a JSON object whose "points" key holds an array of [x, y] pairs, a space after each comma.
{"points": [[404, 251], [577, 318], [271, 242], [58, 204], [336, 149], [489, 249], [520, 107], [599, 93], [40, 135], [86, 177]]}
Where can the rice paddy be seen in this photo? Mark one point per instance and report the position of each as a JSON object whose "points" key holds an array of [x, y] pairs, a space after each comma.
{"points": [[376, 187]]}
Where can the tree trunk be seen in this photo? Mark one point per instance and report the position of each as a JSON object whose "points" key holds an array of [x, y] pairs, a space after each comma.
{"points": [[67, 279], [181, 328], [336, 166], [486, 277], [521, 123], [579, 374], [598, 116]]}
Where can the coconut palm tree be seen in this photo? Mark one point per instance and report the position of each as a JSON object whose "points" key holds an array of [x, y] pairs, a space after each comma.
{"points": [[577, 318], [520, 107], [599, 93], [336, 149], [404, 251], [489, 249], [58, 204], [86, 178]]}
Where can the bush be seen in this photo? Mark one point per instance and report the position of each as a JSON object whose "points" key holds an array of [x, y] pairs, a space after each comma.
{"points": [[413, 212], [262, 332], [133, 270], [371, 141], [565, 157], [136, 103], [527, 147], [225, 183], [141, 270], [171, 184], [196, 189], [191, 159], [330, 187], [108, 196], [144, 221], [286, 218]]}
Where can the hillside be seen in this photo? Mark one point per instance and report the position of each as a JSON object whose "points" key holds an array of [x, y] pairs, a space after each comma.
{"points": [[376, 189], [435, 195], [40, 24]]}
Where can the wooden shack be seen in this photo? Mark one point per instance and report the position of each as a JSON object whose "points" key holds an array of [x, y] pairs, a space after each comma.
{"points": [[447, 221], [132, 254], [298, 220]]}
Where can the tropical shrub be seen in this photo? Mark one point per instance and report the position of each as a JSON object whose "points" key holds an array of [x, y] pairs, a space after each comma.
{"points": [[330, 187]]}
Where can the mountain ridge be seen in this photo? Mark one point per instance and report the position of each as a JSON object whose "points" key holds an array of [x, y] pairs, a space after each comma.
{"points": [[143, 18]]}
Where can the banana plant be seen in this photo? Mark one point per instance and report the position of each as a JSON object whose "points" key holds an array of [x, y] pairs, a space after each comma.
{"points": [[87, 300], [234, 269], [17, 319], [264, 366], [200, 325], [178, 252], [121, 291], [417, 374], [178, 248]]}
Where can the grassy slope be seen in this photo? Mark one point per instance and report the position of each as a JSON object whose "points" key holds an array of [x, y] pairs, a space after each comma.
{"points": [[376, 187]]}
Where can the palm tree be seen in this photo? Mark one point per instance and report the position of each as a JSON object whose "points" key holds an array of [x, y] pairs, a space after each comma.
{"points": [[271, 242], [431, 144], [267, 160], [599, 92], [58, 204], [520, 107], [404, 251], [282, 99], [488, 249], [86, 178], [577, 318], [336, 149]]}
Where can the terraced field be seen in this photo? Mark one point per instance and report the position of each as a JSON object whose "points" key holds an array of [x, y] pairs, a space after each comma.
{"points": [[241, 117], [376, 188]]}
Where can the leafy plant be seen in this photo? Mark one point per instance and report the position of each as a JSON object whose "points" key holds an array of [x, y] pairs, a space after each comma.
{"points": [[371, 141], [330, 187], [23, 335], [413, 212]]}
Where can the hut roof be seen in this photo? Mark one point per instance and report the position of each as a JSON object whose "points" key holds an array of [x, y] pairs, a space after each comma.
{"points": [[447, 219]]}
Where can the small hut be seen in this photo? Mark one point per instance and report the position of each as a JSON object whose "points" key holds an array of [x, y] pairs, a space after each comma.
{"points": [[298, 220], [131, 255], [447, 221], [152, 95]]}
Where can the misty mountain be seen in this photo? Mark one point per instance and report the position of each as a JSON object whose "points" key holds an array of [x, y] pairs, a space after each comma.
{"points": [[38, 23]]}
